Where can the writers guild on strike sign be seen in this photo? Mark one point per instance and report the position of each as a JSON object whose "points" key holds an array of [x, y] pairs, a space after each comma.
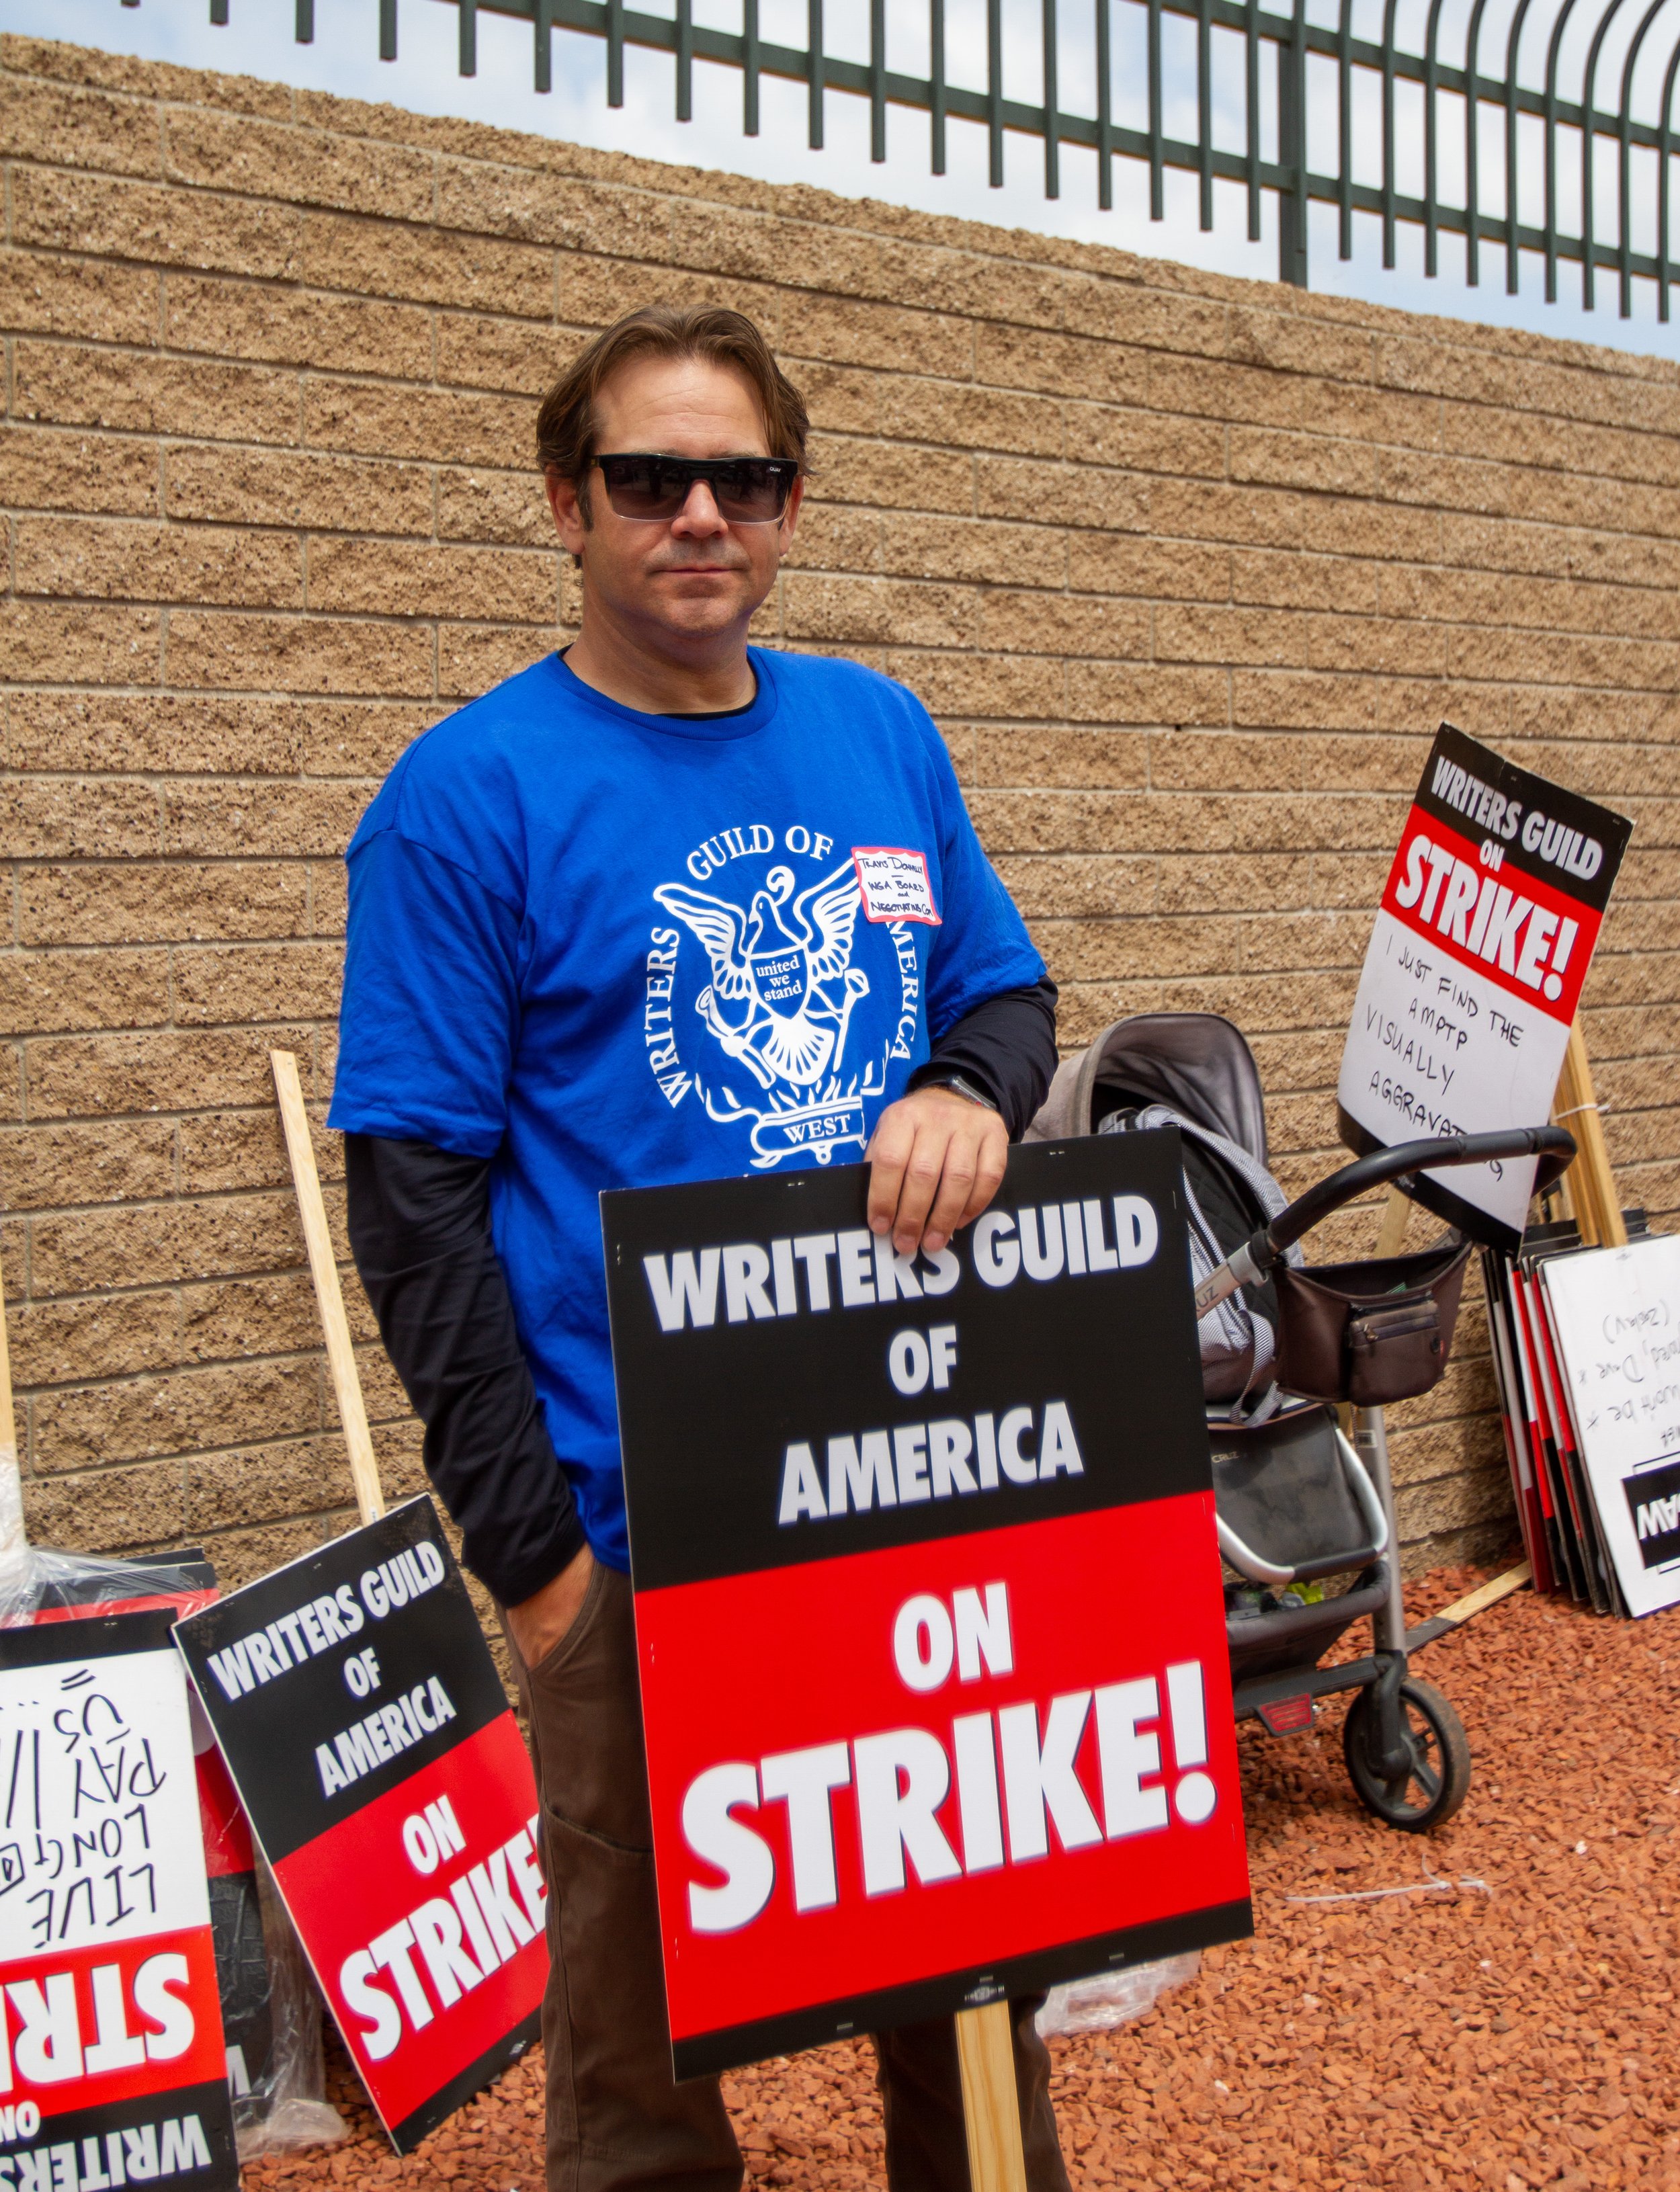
{"points": [[927, 1605], [366, 1729], [1474, 967], [112, 2066]]}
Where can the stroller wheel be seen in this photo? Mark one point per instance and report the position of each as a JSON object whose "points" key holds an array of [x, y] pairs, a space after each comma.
{"points": [[1437, 1780]]}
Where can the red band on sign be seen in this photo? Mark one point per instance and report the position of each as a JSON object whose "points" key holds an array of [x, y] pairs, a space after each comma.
{"points": [[862, 1766], [227, 1834], [441, 1951], [1533, 940], [112, 2021]]}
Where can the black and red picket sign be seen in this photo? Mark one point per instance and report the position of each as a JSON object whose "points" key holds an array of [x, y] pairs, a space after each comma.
{"points": [[927, 1601], [112, 2066], [1487, 927], [186, 1581], [366, 1729]]}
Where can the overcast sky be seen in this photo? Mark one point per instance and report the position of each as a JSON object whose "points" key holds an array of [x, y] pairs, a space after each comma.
{"points": [[344, 58]]}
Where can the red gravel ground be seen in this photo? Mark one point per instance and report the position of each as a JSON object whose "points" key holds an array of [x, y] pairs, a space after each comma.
{"points": [[1520, 2036]]}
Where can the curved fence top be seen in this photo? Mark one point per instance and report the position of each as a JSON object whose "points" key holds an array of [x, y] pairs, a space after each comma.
{"points": [[1521, 126]]}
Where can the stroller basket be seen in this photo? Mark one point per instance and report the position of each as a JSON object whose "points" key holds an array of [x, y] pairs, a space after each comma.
{"points": [[1362, 1339], [1292, 1505], [1369, 1332]]}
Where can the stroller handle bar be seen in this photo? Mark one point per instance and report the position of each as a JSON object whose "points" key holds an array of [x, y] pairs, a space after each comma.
{"points": [[1254, 1259]]}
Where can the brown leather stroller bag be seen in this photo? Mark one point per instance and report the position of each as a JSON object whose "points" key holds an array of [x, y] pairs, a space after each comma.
{"points": [[1368, 1332]]}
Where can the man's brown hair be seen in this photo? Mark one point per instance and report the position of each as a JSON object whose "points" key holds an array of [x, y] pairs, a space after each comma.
{"points": [[566, 423]]}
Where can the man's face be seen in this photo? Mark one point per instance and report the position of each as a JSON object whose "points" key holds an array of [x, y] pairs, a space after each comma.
{"points": [[695, 576]]}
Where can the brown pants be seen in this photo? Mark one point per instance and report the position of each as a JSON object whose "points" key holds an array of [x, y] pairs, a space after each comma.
{"points": [[616, 2118]]}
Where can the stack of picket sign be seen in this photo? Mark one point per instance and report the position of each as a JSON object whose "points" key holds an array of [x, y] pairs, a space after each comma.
{"points": [[1586, 1352], [150, 2009], [270, 2016]]}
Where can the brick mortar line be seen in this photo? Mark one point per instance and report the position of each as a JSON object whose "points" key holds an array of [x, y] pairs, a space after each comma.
{"points": [[208, 696], [438, 307], [172, 1289], [274, 529], [1387, 322], [245, 1449], [303, 208], [325, 618], [150, 1289], [174, 1373], [329, 617], [339, 619]]}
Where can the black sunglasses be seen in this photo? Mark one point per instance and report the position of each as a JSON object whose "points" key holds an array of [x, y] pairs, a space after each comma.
{"points": [[747, 490]]}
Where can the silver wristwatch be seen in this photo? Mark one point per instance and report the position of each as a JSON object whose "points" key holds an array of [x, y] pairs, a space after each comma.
{"points": [[962, 1089]]}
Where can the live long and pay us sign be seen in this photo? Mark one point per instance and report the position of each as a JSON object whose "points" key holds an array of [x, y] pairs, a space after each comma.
{"points": [[927, 1606]]}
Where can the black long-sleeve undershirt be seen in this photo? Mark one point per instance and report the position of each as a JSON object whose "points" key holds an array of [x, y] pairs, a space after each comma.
{"points": [[1006, 1048], [419, 1229]]}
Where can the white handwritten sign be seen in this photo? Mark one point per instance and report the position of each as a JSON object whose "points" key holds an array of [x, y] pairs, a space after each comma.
{"points": [[1477, 957], [96, 1812], [1616, 1315], [110, 2037]]}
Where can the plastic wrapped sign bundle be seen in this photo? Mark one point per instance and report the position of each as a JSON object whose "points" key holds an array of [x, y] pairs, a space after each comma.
{"points": [[271, 2012]]}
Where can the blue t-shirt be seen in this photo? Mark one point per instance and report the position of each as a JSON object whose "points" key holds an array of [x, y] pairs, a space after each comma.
{"points": [[612, 949]]}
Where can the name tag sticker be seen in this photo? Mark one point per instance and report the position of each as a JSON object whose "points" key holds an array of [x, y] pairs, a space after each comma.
{"points": [[894, 884]]}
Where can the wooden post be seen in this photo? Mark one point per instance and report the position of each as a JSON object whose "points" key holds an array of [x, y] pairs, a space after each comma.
{"points": [[1396, 1217], [1592, 1186], [324, 1270], [986, 2054], [12, 1539]]}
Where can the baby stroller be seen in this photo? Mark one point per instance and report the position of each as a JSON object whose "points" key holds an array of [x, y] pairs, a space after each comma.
{"points": [[1298, 1503]]}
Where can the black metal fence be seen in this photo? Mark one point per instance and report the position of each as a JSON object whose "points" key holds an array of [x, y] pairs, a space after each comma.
{"points": [[1458, 104]]}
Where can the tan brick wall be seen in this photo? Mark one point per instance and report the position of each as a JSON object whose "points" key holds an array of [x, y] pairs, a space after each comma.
{"points": [[1188, 569]]}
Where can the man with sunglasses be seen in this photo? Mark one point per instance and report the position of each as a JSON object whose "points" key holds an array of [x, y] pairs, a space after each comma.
{"points": [[663, 906]]}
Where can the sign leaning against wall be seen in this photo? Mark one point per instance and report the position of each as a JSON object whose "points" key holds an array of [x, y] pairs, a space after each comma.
{"points": [[928, 1603], [364, 1725], [1481, 945]]}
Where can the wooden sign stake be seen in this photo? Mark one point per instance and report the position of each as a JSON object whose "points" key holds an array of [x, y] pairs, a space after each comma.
{"points": [[991, 2107], [324, 1270], [1396, 1217], [1592, 1186], [12, 1538], [984, 2042]]}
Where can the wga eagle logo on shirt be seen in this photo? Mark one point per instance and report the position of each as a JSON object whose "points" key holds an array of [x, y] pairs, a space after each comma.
{"points": [[787, 1037]]}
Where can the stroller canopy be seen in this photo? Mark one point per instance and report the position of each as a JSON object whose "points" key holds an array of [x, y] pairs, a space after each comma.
{"points": [[1197, 1062]]}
